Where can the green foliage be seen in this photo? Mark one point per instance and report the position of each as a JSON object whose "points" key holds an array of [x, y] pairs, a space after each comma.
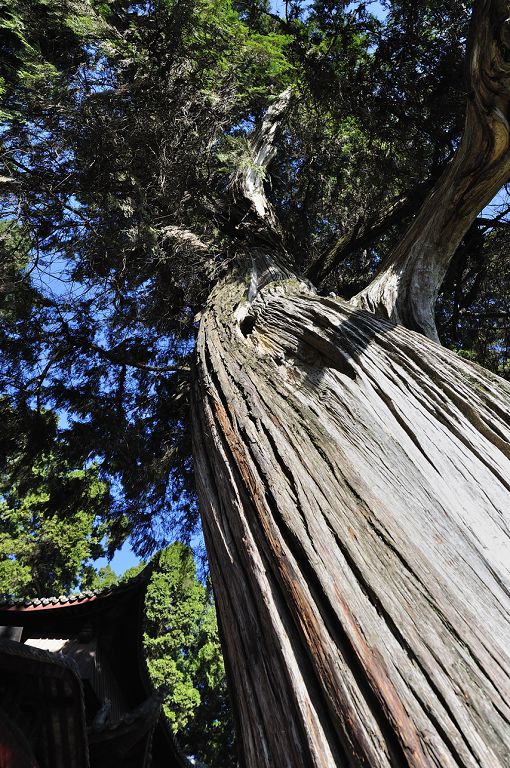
{"points": [[103, 578], [54, 519], [16, 295], [41, 552]]}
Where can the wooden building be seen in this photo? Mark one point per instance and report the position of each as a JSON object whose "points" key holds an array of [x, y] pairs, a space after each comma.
{"points": [[74, 687]]}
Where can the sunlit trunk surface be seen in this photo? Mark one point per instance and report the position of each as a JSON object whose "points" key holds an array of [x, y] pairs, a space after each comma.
{"points": [[354, 482]]}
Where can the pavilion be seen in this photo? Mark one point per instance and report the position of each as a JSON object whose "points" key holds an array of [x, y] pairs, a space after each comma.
{"points": [[74, 686]]}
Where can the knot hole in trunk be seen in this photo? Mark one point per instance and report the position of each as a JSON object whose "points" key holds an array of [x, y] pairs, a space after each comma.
{"points": [[247, 325]]}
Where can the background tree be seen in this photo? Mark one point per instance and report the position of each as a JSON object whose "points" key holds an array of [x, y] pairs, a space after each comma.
{"points": [[159, 154], [52, 516], [184, 658]]}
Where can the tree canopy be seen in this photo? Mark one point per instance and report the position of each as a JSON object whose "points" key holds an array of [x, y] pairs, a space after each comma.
{"points": [[53, 516], [124, 126]]}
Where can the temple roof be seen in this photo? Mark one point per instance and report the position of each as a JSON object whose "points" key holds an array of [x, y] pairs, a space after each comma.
{"points": [[48, 683], [10, 603], [114, 616]]}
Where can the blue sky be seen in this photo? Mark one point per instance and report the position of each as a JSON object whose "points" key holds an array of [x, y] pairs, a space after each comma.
{"points": [[122, 560]]}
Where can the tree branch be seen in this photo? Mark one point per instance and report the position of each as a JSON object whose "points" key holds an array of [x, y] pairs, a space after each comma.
{"points": [[117, 355], [406, 288], [366, 232], [185, 239], [249, 182], [121, 358]]}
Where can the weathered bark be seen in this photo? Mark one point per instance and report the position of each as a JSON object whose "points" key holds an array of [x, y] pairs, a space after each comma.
{"points": [[354, 481], [259, 219], [406, 288]]}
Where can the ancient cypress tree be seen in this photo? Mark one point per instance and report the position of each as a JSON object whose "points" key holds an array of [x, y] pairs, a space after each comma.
{"points": [[353, 474]]}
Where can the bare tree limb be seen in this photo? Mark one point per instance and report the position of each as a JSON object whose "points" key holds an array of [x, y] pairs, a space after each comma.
{"points": [[118, 356], [185, 239], [249, 181]]}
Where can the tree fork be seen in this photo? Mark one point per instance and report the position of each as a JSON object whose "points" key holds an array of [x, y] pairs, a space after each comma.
{"points": [[406, 288], [366, 232]]}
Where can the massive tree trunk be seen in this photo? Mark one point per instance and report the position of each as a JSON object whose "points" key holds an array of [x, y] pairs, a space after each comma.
{"points": [[354, 480]]}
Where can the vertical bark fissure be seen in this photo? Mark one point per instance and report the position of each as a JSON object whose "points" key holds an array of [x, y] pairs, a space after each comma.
{"points": [[287, 583], [295, 758], [238, 655], [407, 429], [436, 718], [465, 403], [250, 709], [395, 552], [386, 722]]}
